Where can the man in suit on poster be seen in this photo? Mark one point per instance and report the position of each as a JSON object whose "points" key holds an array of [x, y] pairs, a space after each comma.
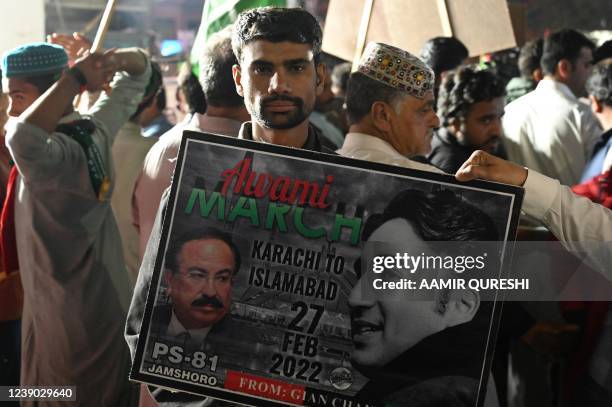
{"points": [[279, 75], [200, 267]]}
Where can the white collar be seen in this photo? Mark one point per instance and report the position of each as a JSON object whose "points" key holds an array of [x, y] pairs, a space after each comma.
{"points": [[551, 84], [175, 328], [356, 141]]}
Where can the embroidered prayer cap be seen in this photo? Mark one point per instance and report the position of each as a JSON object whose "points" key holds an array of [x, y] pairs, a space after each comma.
{"points": [[34, 59], [396, 68]]}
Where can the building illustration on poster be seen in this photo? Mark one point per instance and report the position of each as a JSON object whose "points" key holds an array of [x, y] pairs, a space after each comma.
{"points": [[258, 293]]}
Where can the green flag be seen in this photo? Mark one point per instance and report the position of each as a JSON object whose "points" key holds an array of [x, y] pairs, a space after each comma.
{"points": [[217, 15]]}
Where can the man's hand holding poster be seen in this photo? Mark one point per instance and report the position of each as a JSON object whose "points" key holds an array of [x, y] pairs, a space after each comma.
{"points": [[287, 277]]}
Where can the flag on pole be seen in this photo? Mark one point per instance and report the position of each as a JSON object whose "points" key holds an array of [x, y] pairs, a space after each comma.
{"points": [[218, 14]]}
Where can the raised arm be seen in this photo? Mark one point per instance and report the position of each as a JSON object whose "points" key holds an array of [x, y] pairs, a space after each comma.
{"points": [[114, 108], [93, 71]]}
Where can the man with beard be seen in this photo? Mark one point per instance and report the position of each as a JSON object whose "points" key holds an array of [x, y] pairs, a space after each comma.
{"points": [[200, 269], [471, 106], [279, 75], [390, 108]]}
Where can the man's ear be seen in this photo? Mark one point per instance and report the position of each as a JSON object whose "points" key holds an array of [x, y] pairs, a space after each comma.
{"points": [[565, 68], [596, 105], [537, 75], [380, 113], [461, 308], [321, 71], [237, 74], [168, 278]]}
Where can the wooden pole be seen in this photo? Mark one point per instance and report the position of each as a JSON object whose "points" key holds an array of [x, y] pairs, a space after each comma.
{"points": [[97, 46], [447, 26], [103, 27], [363, 32]]}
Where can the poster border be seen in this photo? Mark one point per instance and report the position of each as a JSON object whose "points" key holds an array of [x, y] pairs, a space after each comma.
{"points": [[516, 194]]}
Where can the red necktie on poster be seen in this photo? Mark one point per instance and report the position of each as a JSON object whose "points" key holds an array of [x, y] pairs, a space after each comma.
{"points": [[8, 242]]}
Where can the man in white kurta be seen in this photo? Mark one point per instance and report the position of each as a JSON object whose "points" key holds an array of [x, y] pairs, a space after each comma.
{"points": [[129, 151], [390, 109], [75, 284], [550, 130], [224, 115]]}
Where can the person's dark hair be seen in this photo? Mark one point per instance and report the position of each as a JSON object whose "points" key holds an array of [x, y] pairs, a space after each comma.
{"points": [[150, 93], [464, 87], [216, 71], [436, 216], [340, 75], [42, 82], [330, 61], [604, 51], [277, 25], [441, 215], [160, 100], [599, 84], [443, 53], [362, 92], [189, 85], [563, 44], [529, 57], [202, 233]]}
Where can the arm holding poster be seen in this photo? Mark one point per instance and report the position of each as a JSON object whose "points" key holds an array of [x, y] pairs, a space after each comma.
{"points": [[135, 316], [574, 220]]}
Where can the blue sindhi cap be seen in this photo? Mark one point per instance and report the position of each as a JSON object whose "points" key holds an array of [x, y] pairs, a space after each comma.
{"points": [[34, 59]]}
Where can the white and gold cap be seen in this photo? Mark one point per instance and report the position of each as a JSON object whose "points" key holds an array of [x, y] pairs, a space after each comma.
{"points": [[396, 68]]}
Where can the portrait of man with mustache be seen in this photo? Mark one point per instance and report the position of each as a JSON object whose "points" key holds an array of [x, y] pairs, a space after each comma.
{"points": [[199, 272]]}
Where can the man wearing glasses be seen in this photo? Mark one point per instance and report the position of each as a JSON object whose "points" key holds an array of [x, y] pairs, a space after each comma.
{"points": [[199, 273]]}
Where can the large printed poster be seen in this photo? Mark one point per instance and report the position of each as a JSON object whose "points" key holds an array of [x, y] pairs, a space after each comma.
{"points": [[263, 293]]}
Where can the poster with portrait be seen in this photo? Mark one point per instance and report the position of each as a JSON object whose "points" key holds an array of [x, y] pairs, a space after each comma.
{"points": [[268, 290]]}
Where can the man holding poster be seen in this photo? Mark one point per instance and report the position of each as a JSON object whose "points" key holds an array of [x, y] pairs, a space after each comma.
{"points": [[294, 300], [296, 217], [279, 75]]}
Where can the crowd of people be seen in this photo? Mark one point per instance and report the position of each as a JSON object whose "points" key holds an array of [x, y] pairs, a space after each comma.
{"points": [[85, 188]]}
